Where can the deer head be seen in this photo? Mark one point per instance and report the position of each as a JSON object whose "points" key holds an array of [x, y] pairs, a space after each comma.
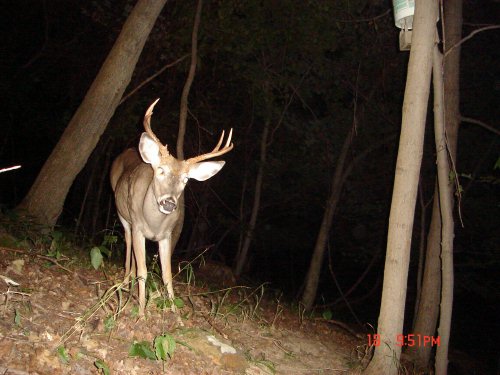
{"points": [[171, 175]]}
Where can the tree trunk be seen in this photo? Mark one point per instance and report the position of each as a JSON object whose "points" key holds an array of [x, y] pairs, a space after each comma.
{"points": [[390, 323], [102, 181], [446, 204], [189, 81], [46, 197], [341, 174], [430, 295], [421, 249], [314, 272], [183, 117], [426, 319], [242, 256]]}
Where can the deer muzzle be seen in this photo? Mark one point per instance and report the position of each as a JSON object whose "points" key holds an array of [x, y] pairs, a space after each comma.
{"points": [[167, 205]]}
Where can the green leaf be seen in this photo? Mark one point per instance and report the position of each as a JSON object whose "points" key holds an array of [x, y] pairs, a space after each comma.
{"points": [[17, 318], [109, 323], [497, 164], [96, 257], [141, 349], [63, 354], [164, 346], [109, 240], [56, 235], [134, 311], [327, 314], [163, 303], [179, 302], [101, 365], [105, 250]]}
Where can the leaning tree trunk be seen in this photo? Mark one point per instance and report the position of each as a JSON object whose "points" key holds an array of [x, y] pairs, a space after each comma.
{"points": [[46, 197], [183, 116], [428, 310], [430, 293], [390, 324], [342, 172], [241, 258], [446, 204], [314, 272]]}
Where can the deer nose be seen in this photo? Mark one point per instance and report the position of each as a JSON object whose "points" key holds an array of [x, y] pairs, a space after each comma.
{"points": [[167, 205]]}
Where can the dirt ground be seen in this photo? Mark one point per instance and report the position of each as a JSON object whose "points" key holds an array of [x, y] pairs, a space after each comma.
{"points": [[58, 319]]}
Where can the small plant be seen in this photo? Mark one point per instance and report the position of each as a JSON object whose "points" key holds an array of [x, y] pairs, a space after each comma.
{"points": [[96, 253], [327, 314], [262, 363], [57, 244], [278, 312], [114, 293], [63, 355], [156, 289], [142, 349], [164, 347], [109, 323], [134, 312], [17, 318], [165, 303], [101, 365]]}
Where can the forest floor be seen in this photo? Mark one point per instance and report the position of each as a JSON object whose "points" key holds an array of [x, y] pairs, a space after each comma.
{"points": [[64, 317]]}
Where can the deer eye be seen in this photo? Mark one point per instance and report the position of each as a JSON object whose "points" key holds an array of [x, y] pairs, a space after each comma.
{"points": [[160, 172]]}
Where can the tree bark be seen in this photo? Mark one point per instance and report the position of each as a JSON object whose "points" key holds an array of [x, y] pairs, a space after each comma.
{"points": [[430, 295], [428, 311], [183, 117], [390, 324], [242, 256], [189, 81], [338, 180], [421, 249], [46, 197], [314, 272], [446, 204]]}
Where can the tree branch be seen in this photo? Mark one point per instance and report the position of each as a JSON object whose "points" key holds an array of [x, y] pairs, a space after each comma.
{"points": [[480, 123], [470, 36], [150, 78], [189, 81]]}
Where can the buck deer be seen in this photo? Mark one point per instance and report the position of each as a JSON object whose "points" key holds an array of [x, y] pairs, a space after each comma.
{"points": [[149, 200]]}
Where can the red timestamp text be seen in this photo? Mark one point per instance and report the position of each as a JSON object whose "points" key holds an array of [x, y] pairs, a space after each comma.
{"points": [[410, 340]]}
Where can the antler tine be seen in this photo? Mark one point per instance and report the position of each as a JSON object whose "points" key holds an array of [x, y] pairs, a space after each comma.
{"points": [[216, 148], [217, 151], [229, 138], [147, 122]]}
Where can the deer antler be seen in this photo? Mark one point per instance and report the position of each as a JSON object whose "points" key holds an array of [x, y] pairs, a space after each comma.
{"points": [[217, 151], [147, 126]]}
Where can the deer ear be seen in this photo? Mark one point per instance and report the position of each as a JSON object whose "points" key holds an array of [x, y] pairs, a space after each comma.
{"points": [[149, 150], [204, 170]]}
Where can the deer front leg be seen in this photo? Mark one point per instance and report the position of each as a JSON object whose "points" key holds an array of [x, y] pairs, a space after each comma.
{"points": [[140, 262], [165, 250]]}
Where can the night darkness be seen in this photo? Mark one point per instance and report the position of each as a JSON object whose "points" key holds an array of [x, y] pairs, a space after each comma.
{"points": [[52, 50]]}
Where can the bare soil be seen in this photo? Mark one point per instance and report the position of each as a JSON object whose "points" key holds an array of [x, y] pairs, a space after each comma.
{"points": [[56, 321]]}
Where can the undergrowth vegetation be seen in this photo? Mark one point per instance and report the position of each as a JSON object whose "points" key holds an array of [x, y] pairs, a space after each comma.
{"points": [[59, 248]]}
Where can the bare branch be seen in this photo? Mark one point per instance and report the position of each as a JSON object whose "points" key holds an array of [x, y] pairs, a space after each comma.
{"points": [[189, 81], [150, 78], [470, 36], [480, 123]]}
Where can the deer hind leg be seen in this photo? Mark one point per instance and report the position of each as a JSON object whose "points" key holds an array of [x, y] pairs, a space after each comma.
{"points": [[139, 243], [128, 252]]}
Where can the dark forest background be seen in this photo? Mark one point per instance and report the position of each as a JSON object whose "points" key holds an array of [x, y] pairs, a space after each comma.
{"points": [[328, 67]]}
